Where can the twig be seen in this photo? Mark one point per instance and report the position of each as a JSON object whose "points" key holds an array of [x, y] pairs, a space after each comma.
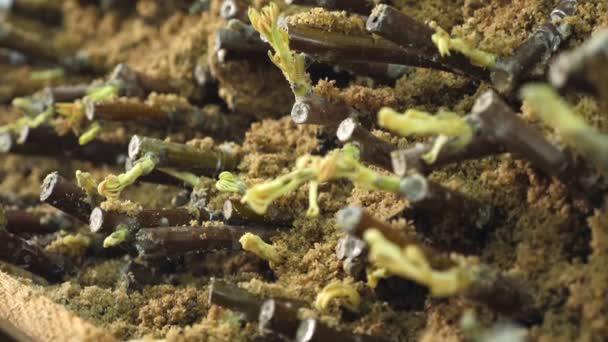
{"points": [[409, 33], [168, 241], [102, 221], [44, 141], [372, 149], [183, 157], [313, 330], [23, 222], [536, 51], [65, 196], [235, 298], [335, 47], [583, 67]]}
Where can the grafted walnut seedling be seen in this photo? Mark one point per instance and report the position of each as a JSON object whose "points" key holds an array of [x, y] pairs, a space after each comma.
{"points": [[292, 64], [338, 164], [445, 44], [411, 263], [112, 185], [577, 133], [466, 276], [450, 127]]}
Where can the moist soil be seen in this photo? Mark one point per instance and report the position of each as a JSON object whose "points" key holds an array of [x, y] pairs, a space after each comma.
{"points": [[555, 241]]}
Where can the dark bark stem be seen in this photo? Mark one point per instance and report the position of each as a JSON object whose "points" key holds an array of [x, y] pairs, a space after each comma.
{"points": [[168, 241], [23, 222], [184, 157], [373, 149], [356, 221], [536, 51], [65, 196], [43, 141], [234, 9], [409, 33], [584, 68], [312, 330], [102, 221], [334, 47], [131, 112], [29, 43], [317, 110], [236, 299], [19, 252], [279, 316]]}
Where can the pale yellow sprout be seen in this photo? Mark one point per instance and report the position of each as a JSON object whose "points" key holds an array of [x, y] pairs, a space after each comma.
{"points": [[410, 263], [340, 164], [254, 244], [374, 276], [291, 64], [259, 197], [450, 128], [47, 75], [338, 289], [313, 205], [26, 121], [445, 43], [87, 183], [116, 238], [229, 182], [577, 133], [91, 133], [113, 185], [186, 177]]}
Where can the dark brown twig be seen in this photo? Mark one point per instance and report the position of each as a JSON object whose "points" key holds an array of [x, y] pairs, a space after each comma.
{"points": [[409, 33], [235, 298], [49, 11], [234, 9], [313, 330], [167, 241], [43, 141], [372, 149], [536, 51], [21, 253], [356, 221], [184, 157], [497, 129], [132, 112], [23, 222], [279, 316], [65, 196], [235, 212], [317, 110], [335, 48], [430, 197], [29, 43], [583, 68], [102, 221]]}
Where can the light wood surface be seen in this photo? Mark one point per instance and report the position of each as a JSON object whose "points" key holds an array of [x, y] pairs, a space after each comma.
{"points": [[35, 316]]}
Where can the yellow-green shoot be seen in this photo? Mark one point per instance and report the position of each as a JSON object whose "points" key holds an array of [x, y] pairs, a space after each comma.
{"points": [[574, 130], [292, 64]]}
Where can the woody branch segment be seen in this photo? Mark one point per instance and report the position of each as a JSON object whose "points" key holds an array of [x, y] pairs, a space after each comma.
{"points": [[183, 157], [409, 33]]}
